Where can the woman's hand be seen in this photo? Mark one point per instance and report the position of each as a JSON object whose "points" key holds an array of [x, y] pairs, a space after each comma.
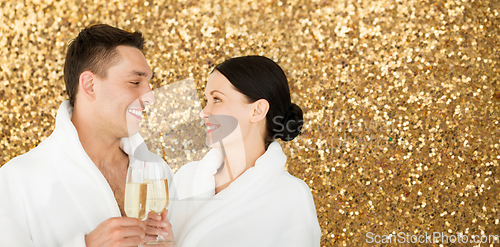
{"points": [[157, 224]]}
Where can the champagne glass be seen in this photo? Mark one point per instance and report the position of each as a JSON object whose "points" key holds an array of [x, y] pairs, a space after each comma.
{"points": [[135, 192], [155, 176]]}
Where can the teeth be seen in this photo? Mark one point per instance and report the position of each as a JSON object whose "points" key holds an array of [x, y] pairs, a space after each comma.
{"points": [[212, 127], [135, 112]]}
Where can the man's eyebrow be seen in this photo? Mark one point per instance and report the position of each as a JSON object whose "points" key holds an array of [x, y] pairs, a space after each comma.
{"points": [[138, 73]]}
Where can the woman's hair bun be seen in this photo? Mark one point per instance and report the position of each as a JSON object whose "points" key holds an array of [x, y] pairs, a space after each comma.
{"points": [[292, 123]]}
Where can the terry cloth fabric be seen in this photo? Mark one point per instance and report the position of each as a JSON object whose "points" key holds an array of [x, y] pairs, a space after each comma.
{"points": [[54, 195], [265, 206]]}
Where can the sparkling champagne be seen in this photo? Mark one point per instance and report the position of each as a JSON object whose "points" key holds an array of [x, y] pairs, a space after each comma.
{"points": [[135, 199], [157, 195]]}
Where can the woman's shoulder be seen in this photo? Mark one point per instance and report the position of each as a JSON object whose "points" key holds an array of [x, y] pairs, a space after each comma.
{"points": [[294, 183], [208, 165], [186, 170], [292, 188]]}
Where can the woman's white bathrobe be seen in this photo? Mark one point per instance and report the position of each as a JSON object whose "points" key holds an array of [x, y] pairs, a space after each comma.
{"points": [[265, 206], [54, 194]]}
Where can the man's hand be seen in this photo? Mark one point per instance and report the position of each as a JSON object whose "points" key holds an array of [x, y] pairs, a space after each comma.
{"points": [[114, 232], [157, 224]]}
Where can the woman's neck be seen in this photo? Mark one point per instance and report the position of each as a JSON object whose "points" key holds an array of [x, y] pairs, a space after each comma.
{"points": [[239, 158]]}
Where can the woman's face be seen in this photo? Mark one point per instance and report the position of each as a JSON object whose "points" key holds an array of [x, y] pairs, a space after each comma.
{"points": [[225, 112]]}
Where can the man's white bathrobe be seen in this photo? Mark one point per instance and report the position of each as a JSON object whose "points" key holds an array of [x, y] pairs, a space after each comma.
{"points": [[265, 206], [54, 194]]}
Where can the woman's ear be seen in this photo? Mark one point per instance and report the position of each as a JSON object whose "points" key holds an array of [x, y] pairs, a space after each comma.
{"points": [[260, 109], [86, 84]]}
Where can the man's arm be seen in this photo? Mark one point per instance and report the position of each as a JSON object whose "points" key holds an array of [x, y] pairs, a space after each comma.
{"points": [[11, 233]]}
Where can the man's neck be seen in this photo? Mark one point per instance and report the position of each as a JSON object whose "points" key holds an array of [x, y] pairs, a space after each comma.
{"points": [[102, 148]]}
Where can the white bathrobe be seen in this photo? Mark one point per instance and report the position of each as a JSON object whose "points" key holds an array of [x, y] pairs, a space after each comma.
{"points": [[54, 194], [265, 206]]}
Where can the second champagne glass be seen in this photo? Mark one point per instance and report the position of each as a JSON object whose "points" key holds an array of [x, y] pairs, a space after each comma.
{"points": [[155, 176]]}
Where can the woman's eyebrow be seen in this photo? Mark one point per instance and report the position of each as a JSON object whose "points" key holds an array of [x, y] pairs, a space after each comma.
{"points": [[213, 91]]}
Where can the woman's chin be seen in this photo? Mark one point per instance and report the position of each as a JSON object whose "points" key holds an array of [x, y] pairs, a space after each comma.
{"points": [[210, 144], [216, 138]]}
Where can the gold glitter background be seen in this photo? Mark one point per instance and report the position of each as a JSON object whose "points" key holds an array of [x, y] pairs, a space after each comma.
{"points": [[401, 97]]}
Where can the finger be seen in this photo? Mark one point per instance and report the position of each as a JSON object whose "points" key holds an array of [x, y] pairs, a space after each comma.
{"points": [[149, 238], [154, 216], [153, 221], [152, 238], [128, 232], [127, 221], [165, 225], [156, 231], [142, 225], [131, 241], [164, 214]]}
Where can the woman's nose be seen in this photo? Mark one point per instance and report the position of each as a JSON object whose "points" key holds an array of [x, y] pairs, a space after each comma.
{"points": [[202, 113], [206, 111], [147, 98]]}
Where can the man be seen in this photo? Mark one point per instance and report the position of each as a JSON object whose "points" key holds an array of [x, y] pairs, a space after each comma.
{"points": [[69, 191]]}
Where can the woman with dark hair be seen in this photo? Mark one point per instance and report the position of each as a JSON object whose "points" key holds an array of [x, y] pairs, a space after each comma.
{"points": [[239, 194]]}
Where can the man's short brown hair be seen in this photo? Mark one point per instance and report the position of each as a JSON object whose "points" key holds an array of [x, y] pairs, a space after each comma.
{"points": [[94, 50]]}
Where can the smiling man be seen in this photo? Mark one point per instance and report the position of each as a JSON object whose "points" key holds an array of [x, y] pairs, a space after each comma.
{"points": [[69, 191]]}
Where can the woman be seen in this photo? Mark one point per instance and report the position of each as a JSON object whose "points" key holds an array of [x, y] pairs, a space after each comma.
{"points": [[239, 194]]}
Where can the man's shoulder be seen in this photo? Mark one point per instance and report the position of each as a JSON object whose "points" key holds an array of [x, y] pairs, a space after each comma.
{"points": [[31, 161]]}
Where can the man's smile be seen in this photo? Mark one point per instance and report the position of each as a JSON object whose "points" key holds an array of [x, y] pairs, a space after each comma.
{"points": [[136, 113]]}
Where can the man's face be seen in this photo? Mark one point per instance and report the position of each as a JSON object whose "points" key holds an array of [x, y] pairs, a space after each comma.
{"points": [[122, 96]]}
